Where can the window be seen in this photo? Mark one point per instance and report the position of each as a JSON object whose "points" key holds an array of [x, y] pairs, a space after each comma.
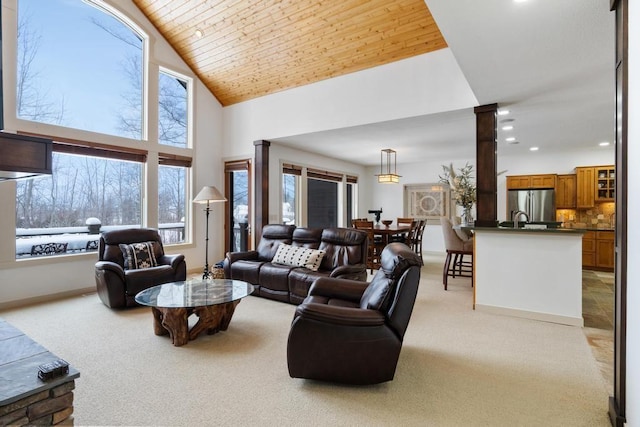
{"points": [[79, 67], [172, 109], [322, 203], [84, 195], [330, 197], [172, 203], [290, 186]]}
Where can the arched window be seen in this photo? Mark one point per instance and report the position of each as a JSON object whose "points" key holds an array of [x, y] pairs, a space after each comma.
{"points": [[79, 66]]}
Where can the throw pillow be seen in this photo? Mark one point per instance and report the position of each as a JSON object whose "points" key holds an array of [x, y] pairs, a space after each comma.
{"points": [[298, 256], [138, 255]]}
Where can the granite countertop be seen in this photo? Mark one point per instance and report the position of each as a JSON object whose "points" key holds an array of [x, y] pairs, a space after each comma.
{"points": [[591, 229], [527, 230]]}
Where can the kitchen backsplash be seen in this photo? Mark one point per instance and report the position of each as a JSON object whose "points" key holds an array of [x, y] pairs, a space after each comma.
{"points": [[600, 216]]}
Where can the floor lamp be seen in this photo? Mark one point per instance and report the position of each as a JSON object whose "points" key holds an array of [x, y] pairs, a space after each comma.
{"points": [[208, 195]]}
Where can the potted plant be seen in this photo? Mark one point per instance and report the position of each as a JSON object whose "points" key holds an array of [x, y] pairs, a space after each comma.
{"points": [[463, 188]]}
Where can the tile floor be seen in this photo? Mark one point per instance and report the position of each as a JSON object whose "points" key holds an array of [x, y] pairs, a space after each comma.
{"points": [[597, 311]]}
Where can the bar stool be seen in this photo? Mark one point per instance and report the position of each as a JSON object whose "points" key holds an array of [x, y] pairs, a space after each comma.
{"points": [[457, 248]]}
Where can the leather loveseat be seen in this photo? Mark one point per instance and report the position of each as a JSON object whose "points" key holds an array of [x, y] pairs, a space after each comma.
{"points": [[345, 252]]}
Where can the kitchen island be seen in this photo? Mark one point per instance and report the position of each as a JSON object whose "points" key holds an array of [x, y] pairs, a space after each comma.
{"points": [[530, 273]]}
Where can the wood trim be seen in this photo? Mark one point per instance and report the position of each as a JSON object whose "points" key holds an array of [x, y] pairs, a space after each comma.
{"points": [[174, 160], [229, 167], [617, 402], [98, 152], [89, 144], [486, 165], [262, 187], [237, 165]]}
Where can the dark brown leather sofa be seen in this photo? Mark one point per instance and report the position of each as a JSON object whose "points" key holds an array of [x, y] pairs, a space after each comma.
{"points": [[345, 257], [117, 286], [351, 332]]}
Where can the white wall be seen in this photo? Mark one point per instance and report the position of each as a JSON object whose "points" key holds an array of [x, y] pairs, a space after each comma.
{"points": [[411, 87], [420, 85], [633, 227], [35, 278]]}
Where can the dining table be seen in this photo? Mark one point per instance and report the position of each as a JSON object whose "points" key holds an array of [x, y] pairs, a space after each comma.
{"points": [[386, 231]]}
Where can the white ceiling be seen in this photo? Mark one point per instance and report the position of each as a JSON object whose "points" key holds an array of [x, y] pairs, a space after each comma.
{"points": [[551, 63]]}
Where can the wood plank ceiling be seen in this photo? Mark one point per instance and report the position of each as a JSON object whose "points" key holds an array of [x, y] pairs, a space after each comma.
{"points": [[251, 48]]}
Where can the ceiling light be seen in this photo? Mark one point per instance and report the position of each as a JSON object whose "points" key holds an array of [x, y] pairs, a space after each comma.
{"points": [[511, 139], [199, 33], [534, 149], [507, 127], [604, 144], [387, 176], [514, 142], [507, 120], [503, 112]]}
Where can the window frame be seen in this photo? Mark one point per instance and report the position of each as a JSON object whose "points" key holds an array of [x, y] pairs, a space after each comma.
{"points": [[79, 141]]}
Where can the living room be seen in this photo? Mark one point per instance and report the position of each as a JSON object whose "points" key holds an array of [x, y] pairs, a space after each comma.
{"points": [[377, 95]]}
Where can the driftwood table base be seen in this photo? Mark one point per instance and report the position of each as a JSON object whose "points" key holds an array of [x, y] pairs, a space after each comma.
{"points": [[175, 321]]}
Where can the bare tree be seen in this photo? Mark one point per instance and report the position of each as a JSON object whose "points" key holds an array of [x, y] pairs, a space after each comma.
{"points": [[32, 101]]}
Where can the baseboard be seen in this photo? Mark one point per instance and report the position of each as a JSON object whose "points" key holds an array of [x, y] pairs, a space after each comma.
{"points": [[45, 298], [534, 315]]}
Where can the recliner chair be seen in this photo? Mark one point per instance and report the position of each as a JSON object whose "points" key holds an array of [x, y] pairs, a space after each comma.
{"points": [[351, 332], [117, 284]]}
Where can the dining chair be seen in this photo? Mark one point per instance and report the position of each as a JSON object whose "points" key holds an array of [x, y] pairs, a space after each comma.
{"points": [[406, 237], [416, 239], [374, 248]]}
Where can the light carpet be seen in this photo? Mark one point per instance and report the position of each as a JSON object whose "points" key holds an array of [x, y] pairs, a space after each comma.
{"points": [[458, 367]]}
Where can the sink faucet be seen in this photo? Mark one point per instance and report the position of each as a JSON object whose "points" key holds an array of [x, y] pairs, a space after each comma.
{"points": [[516, 215]]}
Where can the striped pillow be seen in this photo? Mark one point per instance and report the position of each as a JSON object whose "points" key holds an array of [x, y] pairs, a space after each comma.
{"points": [[298, 256]]}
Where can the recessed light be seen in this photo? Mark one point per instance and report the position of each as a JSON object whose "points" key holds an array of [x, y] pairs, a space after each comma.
{"points": [[514, 142], [534, 149], [199, 33], [604, 144], [511, 139], [507, 127], [503, 112]]}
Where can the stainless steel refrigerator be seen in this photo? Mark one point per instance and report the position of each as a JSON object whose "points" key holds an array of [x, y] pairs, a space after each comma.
{"points": [[540, 205]]}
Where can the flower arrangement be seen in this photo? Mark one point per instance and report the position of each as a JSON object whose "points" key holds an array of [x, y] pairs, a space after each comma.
{"points": [[462, 186]]}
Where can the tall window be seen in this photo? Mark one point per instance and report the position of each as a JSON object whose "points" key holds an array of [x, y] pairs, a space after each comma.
{"points": [[172, 203], [172, 109], [63, 212], [290, 188], [79, 67]]}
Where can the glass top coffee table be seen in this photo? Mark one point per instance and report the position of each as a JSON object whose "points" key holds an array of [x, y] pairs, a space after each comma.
{"points": [[212, 301]]}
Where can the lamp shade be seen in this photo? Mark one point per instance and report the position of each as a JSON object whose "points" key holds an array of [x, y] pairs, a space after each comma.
{"points": [[209, 194]]}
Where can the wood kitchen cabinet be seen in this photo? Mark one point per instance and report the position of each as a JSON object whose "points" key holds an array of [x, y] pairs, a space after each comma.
{"points": [[605, 182], [585, 187], [598, 250], [566, 192], [531, 181], [589, 249], [605, 250]]}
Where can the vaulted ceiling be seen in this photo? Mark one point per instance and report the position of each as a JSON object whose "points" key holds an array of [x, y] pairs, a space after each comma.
{"points": [[244, 49]]}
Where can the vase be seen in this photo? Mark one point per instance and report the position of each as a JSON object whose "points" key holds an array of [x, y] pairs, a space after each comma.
{"points": [[467, 217]]}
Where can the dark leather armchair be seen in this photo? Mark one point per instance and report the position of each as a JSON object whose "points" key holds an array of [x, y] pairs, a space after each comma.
{"points": [[117, 286], [351, 332]]}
